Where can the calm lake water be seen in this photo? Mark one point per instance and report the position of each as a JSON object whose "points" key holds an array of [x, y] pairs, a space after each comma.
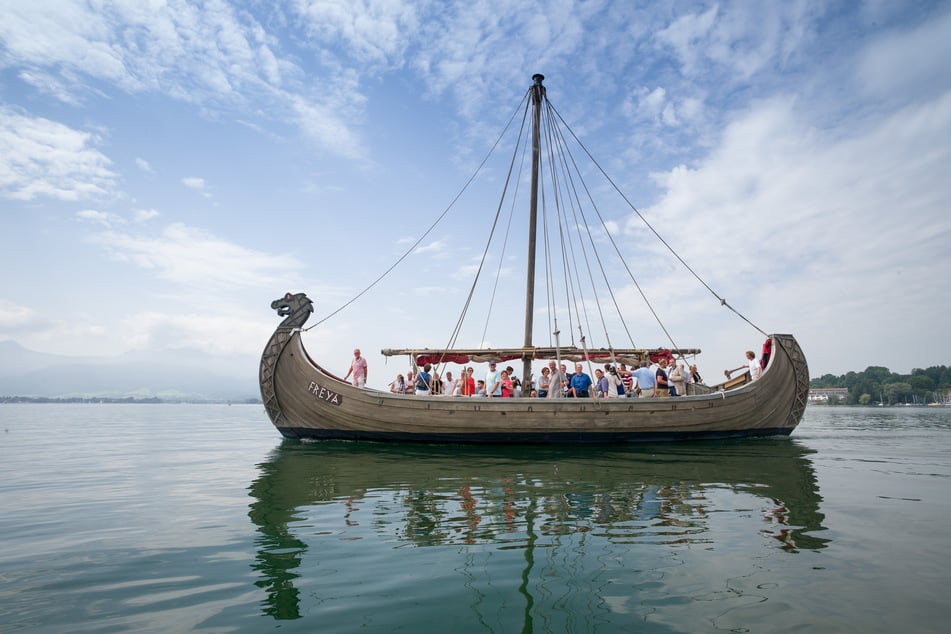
{"points": [[171, 518]]}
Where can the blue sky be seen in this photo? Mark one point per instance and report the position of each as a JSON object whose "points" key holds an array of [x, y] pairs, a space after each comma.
{"points": [[169, 168]]}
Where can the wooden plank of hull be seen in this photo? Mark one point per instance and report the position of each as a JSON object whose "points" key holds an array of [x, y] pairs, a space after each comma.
{"points": [[309, 403]]}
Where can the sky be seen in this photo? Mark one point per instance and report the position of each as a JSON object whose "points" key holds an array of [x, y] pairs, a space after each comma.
{"points": [[168, 168]]}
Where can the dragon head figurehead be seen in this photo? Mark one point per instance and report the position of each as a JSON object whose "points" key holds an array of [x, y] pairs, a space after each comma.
{"points": [[296, 308]]}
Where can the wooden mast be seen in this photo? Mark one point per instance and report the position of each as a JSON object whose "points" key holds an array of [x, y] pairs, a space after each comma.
{"points": [[538, 93]]}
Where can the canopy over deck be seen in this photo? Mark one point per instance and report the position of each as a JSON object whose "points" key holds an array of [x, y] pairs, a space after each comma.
{"points": [[630, 356]]}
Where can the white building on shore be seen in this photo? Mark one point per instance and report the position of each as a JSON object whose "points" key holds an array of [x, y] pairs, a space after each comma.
{"points": [[823, 394]]}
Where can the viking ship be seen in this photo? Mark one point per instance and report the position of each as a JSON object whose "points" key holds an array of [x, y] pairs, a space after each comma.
{"points": [[306, 401]]}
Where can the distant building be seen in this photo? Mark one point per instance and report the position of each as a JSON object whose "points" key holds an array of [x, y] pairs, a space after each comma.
{"points": [[823, 394]]}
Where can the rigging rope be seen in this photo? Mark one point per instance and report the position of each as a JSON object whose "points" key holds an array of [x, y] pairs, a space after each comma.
{"points": [[508, 227], [576, 209], [566, 152], [723, 301], [429, 230], [458, 328]]}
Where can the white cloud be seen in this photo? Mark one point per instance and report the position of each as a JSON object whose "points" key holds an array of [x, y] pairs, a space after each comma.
{"points": [[735, 41], [323, 123], [435, 247], [143, 165], [13, 316], [905, 63], [686, 32], [142, 215], [374, 31], [107, 219], [216, 333], [49, 84], [193, 182], [653, 102], [208, 54], [43, 158], [196, 259], [821, 227], [479, 51], [102, 218]]}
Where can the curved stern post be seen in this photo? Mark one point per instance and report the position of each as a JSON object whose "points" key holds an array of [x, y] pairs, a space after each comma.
{"points": [[789, 345]]}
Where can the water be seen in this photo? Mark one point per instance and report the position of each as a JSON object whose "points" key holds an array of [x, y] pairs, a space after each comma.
{"points": [[171, 518]]}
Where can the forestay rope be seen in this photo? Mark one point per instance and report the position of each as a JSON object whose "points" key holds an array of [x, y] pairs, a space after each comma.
{"points": [[436, 222]]}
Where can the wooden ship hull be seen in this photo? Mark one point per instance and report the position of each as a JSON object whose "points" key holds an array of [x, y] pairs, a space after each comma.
{"points": [[305, 401]]}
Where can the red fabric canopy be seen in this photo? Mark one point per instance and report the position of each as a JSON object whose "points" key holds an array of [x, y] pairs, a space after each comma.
{"points": [[662, 354], [423, 359], [461, 359]]}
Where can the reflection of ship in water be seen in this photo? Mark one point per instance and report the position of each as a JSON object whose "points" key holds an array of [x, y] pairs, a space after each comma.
{"points": [[511, 496]]}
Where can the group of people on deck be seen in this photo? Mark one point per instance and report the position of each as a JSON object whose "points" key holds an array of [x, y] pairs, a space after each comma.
{"points": [[619, 382], [669, 378], [425, 382], [554, 382]]}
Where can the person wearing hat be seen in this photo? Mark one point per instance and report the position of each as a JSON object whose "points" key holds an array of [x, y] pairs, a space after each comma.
{"points": [[493, 381]]}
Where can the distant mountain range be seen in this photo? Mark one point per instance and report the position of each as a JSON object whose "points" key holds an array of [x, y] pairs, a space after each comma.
{"points": [[171, 375]]}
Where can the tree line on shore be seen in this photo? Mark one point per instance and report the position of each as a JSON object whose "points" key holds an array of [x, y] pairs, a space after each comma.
{"points": [[877, 384]]}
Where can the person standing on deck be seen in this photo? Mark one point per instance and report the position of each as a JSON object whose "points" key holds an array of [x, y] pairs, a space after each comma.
{"points": [[493, 382], [467, 383], [754, 366], [615, 385], [556, 381], [566, 383], [600, 384], [662, 386], [358, 369], [543, 382], [695, 374], [627, 382], [508, 387], [645, 380], [678, 377], [516, 384], [579, 385], [450, 386], [424, 382]]}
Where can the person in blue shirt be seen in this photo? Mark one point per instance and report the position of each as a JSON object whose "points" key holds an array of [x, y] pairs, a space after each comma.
{"points": [[580, 384], [493, 381], [645, 380]]}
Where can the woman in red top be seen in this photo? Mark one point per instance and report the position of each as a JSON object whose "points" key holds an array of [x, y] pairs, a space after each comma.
{"points": [[467, 383]]}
